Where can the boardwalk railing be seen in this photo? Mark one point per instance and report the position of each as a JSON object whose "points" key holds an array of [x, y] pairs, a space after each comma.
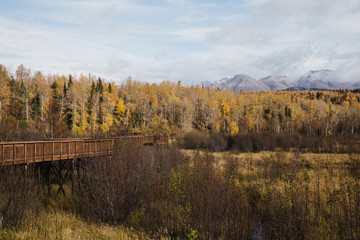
{"points": [[43, 151]]}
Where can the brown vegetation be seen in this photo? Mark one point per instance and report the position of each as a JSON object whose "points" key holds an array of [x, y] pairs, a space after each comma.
{"points": [[164, 192], [270, 142], [223, 196], [20, 195]]}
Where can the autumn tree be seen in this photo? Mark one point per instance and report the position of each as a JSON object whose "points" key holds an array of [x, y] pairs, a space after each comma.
{"points": [[57, 127], [4, 91], [23, 76], [87, 104], [42, 94]]}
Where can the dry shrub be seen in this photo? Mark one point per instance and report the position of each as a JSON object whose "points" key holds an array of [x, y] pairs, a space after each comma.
{"points": [[354, 165], [195, 140], [20, 195], [114, 187], [212, 142], [217, 143], [199, 200], [218, 209], [165, 193], [256, 142]]}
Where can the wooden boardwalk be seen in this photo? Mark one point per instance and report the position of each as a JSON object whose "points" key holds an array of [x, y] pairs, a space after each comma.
{"points": [[12, 153]]}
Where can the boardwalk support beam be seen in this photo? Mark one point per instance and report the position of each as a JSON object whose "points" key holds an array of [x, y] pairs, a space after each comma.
{"points": [[61, 170]]}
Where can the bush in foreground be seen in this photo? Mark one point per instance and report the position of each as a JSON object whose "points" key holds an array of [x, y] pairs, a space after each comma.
{"points": [[20, 195]]}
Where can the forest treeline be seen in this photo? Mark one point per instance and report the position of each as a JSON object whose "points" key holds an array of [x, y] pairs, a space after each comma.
{"points": [[59, 106]]}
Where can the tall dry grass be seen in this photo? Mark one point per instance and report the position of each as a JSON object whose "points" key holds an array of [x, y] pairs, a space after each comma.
{"points": [[53, 224]]}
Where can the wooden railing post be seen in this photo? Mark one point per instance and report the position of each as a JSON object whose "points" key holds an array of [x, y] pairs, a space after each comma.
{"points": [[43, 151], [25, 153], [3, 154], [69, 150], [112, 145], [14, 153], [34, 152], [100, 147], [95, 141], [53, 150]]}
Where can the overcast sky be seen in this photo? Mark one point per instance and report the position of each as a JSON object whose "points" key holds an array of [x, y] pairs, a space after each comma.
{"points": [[186, 40]]}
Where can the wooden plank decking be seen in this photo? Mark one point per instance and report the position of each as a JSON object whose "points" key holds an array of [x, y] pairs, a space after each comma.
{"points": [[26, 152]]}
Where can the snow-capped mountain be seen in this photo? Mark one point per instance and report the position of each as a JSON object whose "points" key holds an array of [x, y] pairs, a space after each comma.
{"points": [[241, 82], [276, 82], [312, 80], [321, 79]]}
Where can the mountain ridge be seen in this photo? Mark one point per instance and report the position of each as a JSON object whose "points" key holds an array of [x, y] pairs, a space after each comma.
{"points": [[312, 80]]}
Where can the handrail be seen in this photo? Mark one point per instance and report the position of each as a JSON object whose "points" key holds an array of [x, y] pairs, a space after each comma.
{"points": [[42, 151]]}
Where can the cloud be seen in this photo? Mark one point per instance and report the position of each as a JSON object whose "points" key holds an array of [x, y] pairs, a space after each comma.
{"points": [[179, 2], [348, 70], [192, 34], [237, 35], [184, 40], [309, 13]]}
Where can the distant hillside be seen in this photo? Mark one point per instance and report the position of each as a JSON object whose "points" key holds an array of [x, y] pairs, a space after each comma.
{"points": [[276, 83], [241, 82], [312, 80]]}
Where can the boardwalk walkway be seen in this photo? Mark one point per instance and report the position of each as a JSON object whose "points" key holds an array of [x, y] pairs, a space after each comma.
{"points": [[12, 153]]}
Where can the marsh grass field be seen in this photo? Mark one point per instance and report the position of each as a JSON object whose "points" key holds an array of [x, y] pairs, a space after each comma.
{"points": [[293, 195], [172, 193]]}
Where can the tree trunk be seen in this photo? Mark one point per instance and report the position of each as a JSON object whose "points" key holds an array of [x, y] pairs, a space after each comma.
{"points": [[42, 108], [27, 107], [74, 113], [62, 106], [51, 129], [326, 127]]}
